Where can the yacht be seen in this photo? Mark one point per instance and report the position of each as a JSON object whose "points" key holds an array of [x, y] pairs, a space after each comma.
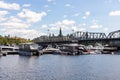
{"points": [[28, 49], [51, 50], [71, 49], [4, 50]]}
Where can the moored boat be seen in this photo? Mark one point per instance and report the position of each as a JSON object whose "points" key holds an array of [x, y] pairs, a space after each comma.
{"points": [[4, 50], [29, 49], [71, 49], [51, 50], [109, 49]]}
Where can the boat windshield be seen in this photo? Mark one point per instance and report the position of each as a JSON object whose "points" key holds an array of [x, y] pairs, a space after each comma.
{"points": [[34, 46]]}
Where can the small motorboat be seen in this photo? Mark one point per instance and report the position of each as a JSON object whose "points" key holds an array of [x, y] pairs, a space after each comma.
{"points": [[51, 50]]}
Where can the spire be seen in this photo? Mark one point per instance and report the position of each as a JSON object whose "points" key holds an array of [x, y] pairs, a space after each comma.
{"points": [[60, 32]]}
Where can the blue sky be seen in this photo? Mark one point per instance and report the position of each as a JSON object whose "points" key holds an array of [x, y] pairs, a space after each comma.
{"points": [[32, 18]]}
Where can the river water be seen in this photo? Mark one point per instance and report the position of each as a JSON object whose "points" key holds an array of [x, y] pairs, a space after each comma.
{"points": [[60, 67]]}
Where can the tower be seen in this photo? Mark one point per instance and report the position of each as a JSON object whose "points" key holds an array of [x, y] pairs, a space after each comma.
{"points": [[60, 33]]}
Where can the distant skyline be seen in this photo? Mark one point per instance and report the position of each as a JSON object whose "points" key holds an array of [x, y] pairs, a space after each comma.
{"points": [[32, 18]]}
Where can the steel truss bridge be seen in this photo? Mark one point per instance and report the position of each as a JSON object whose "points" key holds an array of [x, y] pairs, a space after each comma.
{"points": [[91, 37], [95, 35], [84, 37]]}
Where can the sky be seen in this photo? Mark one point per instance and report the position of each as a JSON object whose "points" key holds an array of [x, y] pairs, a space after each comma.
{"points": [[33, 18]]}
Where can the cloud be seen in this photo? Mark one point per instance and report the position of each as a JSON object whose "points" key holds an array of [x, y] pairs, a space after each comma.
{"points": [[87, 14], [31, 16], [64, 16], [26, 5], [76, 28], [2, 15], [84, 17], [17, 27], [9, 6], [63, 23], [114, 13], [96, 25], [50, 0], [20, 24], [14, 25], [95, 21], [44, 26], [66, 25], [111, 1], [82, 24], [68, 5], [24, 33], [14, 22], [76, 14], [68, 22], [105, 29]]}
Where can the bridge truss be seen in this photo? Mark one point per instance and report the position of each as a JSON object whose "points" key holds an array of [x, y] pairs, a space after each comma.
{"points": [[114, 34], [88, 35]]}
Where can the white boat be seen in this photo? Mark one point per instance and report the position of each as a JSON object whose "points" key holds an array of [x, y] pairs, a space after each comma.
{"points": [[28, 49], [4, 50], [50, 50], [97, 49], [109, 49]]}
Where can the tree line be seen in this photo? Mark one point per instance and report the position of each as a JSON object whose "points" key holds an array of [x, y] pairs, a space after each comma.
{"points": [[7, 40]]}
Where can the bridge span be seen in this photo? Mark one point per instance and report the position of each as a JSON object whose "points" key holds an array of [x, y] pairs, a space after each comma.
{"points": [[113, 38]]}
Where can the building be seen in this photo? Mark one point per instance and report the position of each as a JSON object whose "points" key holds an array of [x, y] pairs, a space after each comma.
{"points": [[52, 38]]}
